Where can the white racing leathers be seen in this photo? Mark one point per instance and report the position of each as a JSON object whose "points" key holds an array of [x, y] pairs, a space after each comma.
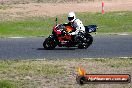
{"points": [[77, 24]]}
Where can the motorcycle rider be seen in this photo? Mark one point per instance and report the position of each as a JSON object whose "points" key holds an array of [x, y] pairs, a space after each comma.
{"points": [[76, 24]]}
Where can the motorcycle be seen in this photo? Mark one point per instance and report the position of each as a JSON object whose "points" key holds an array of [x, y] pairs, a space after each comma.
{"points": [[60, 37]]}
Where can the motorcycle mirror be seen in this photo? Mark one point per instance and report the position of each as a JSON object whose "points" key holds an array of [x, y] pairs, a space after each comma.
{"points": [[56, 20]]}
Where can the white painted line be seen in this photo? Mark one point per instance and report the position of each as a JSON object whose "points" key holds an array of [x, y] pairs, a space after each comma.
{"points": [[125, 57], [123, 34], [15, 37]]}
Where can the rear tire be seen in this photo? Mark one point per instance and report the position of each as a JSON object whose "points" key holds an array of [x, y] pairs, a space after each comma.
{"points": [[87, 42], [83, 46], [49, 44]]}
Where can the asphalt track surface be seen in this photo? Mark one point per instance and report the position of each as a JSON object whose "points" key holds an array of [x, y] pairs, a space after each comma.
{"points": [[106, 46]]}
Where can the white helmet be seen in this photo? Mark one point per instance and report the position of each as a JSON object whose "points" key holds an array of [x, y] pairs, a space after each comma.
{"points": [[71, 16]]}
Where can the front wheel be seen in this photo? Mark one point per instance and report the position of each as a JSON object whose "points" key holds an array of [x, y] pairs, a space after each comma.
{"points": [[49, 43]]}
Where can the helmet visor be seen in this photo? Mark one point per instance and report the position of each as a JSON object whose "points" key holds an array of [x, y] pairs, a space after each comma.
{"points": [[70, 18]]}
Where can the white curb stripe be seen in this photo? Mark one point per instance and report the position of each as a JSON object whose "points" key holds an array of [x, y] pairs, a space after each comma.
{"points": [[123, 34], [15, 37]]}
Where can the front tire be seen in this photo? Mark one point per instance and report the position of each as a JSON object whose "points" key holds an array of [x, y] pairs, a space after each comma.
{"points": [[49, 44]]}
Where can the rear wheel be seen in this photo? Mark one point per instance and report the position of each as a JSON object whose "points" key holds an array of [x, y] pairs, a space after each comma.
{"points": [[89, 39], [87, 42], [83, 46], [49, 43]]}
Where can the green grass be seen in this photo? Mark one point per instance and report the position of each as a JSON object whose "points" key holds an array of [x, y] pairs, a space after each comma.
{"points": [[30, 67], [37, 27], [7, 84], [112, 22], [17, 73], [3, 7]]}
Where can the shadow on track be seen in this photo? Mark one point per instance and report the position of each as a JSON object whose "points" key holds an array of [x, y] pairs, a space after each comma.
{"points": [[58, 49]]}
